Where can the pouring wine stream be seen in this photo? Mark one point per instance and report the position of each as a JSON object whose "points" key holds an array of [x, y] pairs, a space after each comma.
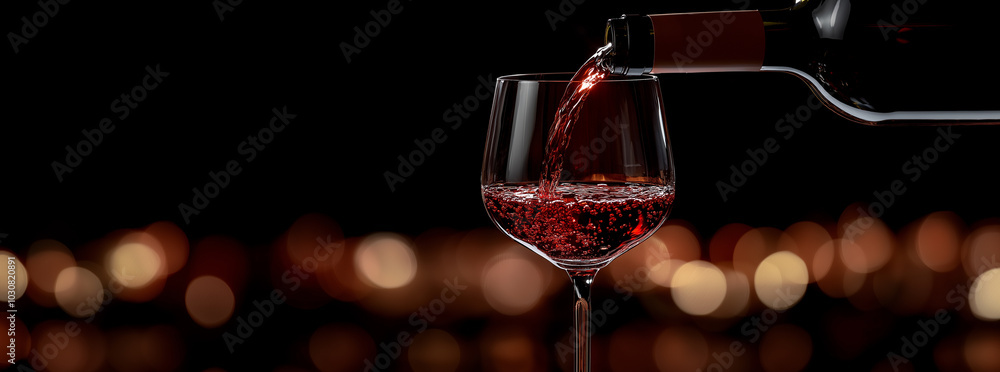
{"points": [[592, 72]]}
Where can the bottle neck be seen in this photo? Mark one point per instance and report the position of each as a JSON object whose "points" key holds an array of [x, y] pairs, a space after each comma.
{"points": [[743, 40], [687, 42], [632, 44]]}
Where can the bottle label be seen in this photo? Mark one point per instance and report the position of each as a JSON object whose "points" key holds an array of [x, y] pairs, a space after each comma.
{"points": [[708, 42]]}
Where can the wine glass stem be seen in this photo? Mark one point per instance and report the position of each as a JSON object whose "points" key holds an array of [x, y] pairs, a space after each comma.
{"points": [[581, 287]]}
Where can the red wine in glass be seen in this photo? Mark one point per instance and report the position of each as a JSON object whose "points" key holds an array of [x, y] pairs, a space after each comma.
{"points": [[586, 222]]}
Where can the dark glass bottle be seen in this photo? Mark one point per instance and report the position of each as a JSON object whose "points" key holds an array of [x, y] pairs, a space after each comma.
{"points": [[874, 62]]}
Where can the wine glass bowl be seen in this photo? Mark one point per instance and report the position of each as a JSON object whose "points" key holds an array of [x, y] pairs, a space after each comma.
{"points": [[616, 183], [578, 171]]}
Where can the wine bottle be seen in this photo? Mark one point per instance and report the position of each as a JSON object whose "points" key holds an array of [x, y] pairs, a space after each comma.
{"points": [[874, 62]]}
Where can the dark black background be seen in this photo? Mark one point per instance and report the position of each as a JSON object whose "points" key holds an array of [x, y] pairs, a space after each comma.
{"points": [[354, 119]]}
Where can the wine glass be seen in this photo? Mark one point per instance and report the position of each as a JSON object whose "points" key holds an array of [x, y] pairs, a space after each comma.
{"points": [[615, 186]]}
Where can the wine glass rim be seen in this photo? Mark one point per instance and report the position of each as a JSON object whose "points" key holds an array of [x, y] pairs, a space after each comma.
{"points": [[565, 77]]}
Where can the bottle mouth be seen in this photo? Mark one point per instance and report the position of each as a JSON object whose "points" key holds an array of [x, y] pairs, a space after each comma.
{"points": [[631, 39], [567, 77]]}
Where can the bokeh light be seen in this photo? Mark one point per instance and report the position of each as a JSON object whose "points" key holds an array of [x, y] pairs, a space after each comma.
{"points": [[210, 301], [823, 261], [135, 265], [867, 244], [939, 240], [653, 262], [475, 249], [698, 287], [805, 240], [339, 279], [838, 281], [673, 244], [737, 297], [780, 280], [662, 272], [222, 257], [302, 281], [79, 292], [512, 285], [434, 350], [439, 255], [723, 242], [980, 351], [46, 258], [401, 301], [386, 260], [984, 298], [753, 247], [637, 268], [680, 240], [981, 250], [173, 242], [20, 274]]}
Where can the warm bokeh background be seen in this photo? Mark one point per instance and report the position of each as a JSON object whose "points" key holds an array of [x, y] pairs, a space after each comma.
{"points": [[307, 259]]}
